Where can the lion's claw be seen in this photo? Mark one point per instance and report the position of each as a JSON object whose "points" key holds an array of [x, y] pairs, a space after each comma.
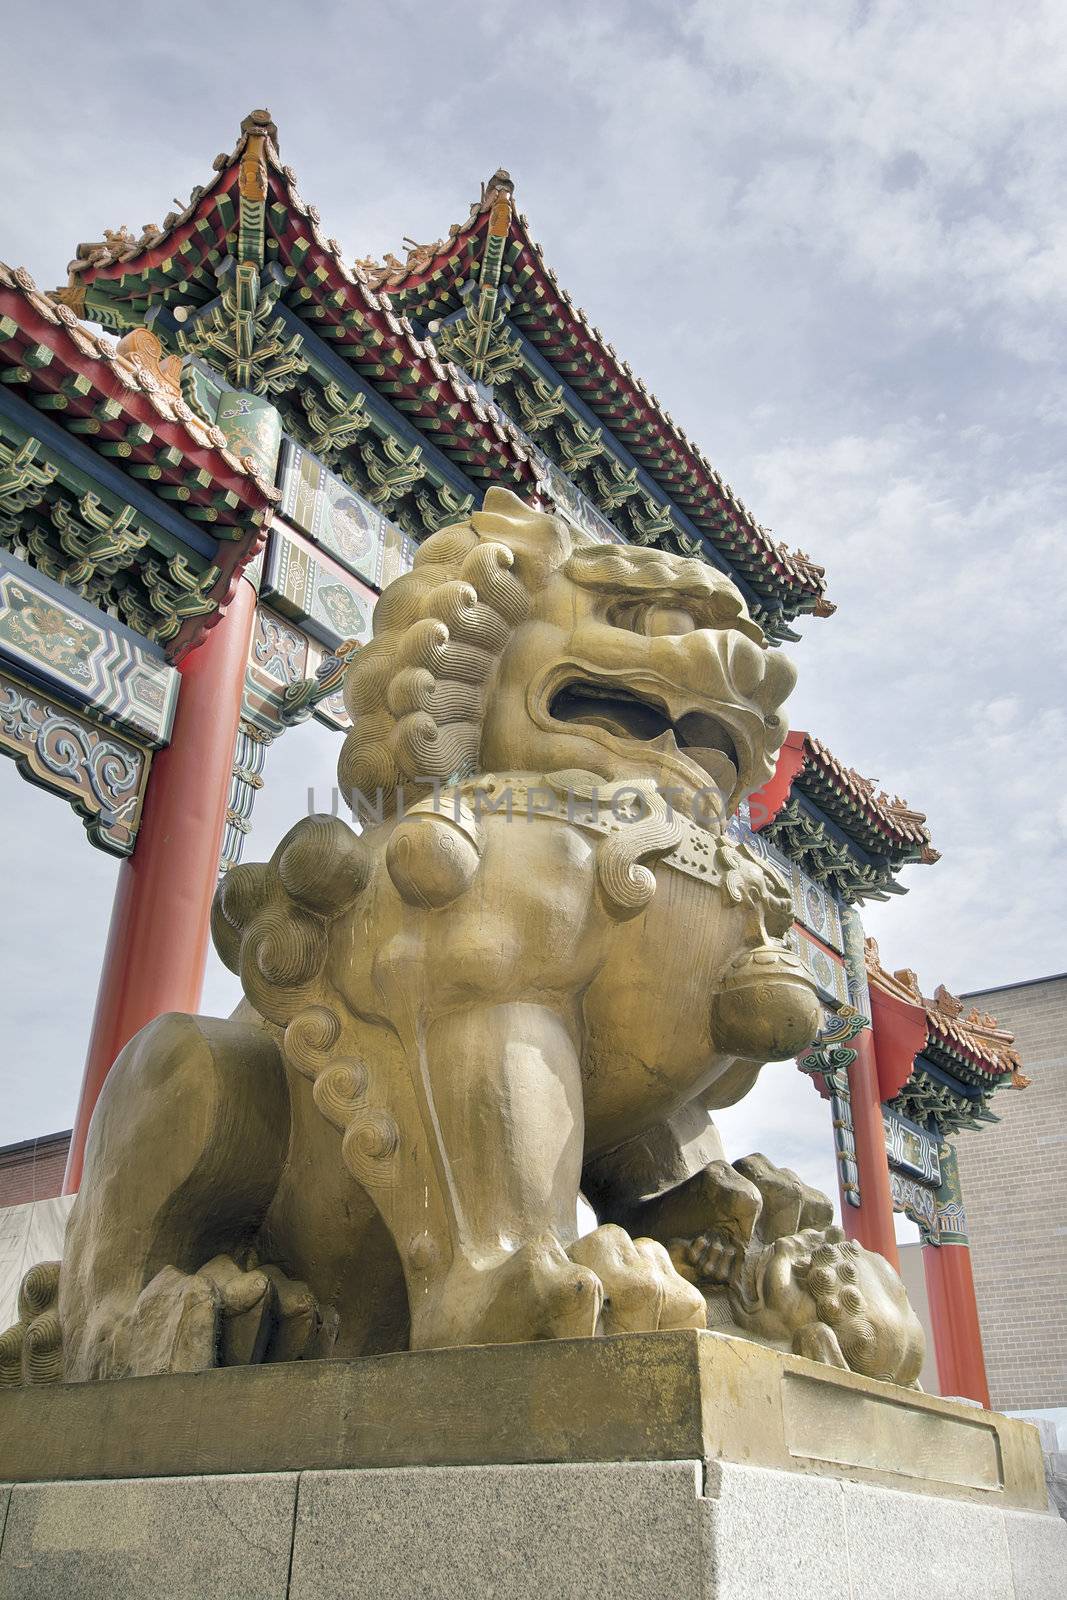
{"points": [[714, 1258], [642, 1290]]}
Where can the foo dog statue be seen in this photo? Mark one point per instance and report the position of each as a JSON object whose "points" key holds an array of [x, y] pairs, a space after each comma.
{"points": [[539, 966]]}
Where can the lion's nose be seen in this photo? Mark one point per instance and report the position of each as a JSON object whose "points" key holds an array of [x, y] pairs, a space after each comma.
{"points": [[746, 664], [779, 680]]}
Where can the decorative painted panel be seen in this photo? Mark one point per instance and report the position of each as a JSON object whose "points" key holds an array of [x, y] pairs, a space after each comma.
{"points": [[278, 657], [827, 970], [816, 909], [281, 657], [917, 1201], [102, 774], [910, 1148], [935, 1204], [253, 428], [332, 605], [84, 655], [951, 1212], [353, 531]]}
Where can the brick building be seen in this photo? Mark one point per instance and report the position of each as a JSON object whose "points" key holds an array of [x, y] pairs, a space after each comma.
{"points": [[1015, 1187], [33, 1170]]}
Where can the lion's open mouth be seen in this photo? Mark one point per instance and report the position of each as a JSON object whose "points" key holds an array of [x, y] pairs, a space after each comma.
{"points": [[697, 736]]}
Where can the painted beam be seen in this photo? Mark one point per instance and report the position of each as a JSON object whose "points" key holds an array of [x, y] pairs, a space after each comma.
{"points": [[171, 533]]}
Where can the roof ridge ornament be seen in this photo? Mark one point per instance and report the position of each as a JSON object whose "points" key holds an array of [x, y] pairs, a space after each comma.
{"points": [[142, 349], [260, 122], [949, 1004]]}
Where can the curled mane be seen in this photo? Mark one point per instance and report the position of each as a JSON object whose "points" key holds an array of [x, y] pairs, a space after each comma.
{"points": [[417, 693]]}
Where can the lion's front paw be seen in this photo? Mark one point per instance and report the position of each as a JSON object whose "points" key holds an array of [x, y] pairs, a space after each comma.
{"points": [[642, 1289], [604, 1283], [263, 1315], [539, 1293]]}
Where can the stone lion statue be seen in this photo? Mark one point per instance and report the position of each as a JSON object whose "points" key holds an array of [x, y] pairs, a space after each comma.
{"points": [[535, 970]]}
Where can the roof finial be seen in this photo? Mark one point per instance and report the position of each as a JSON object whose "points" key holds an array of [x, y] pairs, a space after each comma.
{"points": [[261, 122]]}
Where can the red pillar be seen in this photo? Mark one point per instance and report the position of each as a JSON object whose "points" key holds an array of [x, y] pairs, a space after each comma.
{"points": [[885, 1058], [160, 921], [954, 1320], [871, 1222]]}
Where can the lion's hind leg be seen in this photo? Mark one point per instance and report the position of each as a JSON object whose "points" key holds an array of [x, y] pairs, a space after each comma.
{"points": [[184, 1154]]}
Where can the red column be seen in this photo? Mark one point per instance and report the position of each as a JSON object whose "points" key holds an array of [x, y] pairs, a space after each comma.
{"points": [[885, 1058], [160, 921], [871, 1222], [954, 1320]]}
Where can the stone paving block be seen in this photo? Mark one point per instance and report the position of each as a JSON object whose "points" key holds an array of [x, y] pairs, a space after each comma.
{"points": [[221, 1538], [616, 1531], [1037, 1548], [764, 1528], [904, 1545]]}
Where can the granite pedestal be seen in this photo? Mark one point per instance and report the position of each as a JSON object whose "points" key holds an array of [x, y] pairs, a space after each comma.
{"points": [[659, 1465]]}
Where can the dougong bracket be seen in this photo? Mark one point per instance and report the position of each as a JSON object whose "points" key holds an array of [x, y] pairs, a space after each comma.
{"points": [[239, 333]]}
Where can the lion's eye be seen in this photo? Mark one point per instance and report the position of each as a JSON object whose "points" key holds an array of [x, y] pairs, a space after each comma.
{"points": [[650, 618], [668, 619]]}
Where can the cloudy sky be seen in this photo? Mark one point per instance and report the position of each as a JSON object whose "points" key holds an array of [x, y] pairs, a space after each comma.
{"points": [[832, 238]]}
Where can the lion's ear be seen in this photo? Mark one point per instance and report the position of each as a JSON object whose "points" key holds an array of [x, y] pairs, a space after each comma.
{"points": [[540, 542], [502, 503]]}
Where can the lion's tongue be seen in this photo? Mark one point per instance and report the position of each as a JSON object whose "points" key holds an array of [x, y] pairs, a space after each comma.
{"points": [[714, 762]]}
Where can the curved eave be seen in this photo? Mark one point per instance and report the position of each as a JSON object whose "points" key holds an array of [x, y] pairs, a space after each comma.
{"points": [[881, 829], [175, 264], [945, 1039], [614, 393], [89, 373]]}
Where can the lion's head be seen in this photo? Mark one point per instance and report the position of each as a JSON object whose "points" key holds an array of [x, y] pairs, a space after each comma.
{"points": [[506, 648]]}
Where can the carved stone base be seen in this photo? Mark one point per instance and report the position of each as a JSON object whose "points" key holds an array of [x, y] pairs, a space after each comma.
{"points": [[655, 1466]]}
